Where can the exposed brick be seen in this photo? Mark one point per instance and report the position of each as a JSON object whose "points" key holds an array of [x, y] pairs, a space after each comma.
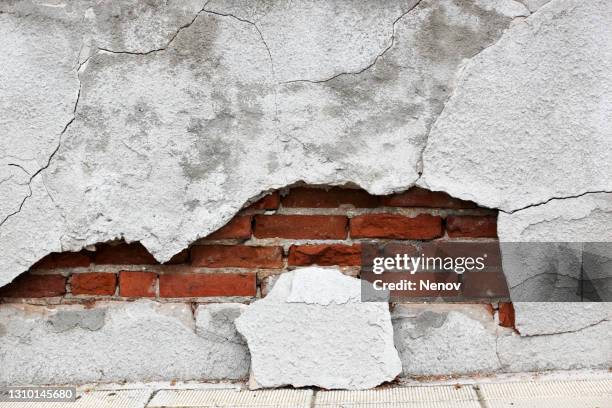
{"points": [[472, 226], [301, 226], [57, 260], [506, 314], [325, 255], [35, 286], [204, 285], [137, 284], [423, 226], [238, 228], [123, 254], [93, 283], [329, 198], [419, 197], [239, 256], [180, 258], [269, 202]]}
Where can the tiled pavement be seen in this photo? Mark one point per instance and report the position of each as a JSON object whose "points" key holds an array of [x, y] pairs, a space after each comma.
{"points": [[592, 393]]}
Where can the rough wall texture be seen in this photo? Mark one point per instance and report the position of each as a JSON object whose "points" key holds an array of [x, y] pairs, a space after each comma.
{"points": [[162, 120], [157, 121]]}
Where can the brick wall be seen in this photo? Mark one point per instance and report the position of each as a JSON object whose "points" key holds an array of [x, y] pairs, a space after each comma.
{"points": [[292, 228]]}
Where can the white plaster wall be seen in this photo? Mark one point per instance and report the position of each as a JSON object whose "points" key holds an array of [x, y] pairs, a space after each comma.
{"points": [[156, 121]]}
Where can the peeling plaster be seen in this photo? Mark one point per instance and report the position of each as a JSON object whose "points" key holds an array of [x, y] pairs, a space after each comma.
{"points": [[528, 121], [203, 105]]}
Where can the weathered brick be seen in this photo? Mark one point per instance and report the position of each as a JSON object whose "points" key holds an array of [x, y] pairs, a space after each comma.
{"points": [[423, 226], [506, 314], [237, 228], [123, 254], [471, 226], [205, 285], [180, 258], [268, 202], [137, 283], [58, 260], [329, 198], [301, 226], [325, 255], [239, 256], [93, 283], [419, 197], [35, 286]]}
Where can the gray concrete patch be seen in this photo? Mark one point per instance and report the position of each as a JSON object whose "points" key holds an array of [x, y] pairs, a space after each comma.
{"points": [[139, 341], [441, 339], [88, 319]]}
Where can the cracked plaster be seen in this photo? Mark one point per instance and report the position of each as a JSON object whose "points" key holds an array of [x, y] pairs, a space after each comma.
{"points": [[118, 341], [142, 121], [156, 113]]}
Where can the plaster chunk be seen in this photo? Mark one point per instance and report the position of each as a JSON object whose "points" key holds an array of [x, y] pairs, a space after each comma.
{"points": [[576, 237], [328, 339], [114, 342], [528, 119], [443, 339], [587, 348], [535, 318], [174, 131]]}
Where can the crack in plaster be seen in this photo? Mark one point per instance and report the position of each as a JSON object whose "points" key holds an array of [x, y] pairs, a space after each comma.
{"points": [[50, 158], [604, 320], [458, 74], [557, 198], [364, 69], [172, 38]]}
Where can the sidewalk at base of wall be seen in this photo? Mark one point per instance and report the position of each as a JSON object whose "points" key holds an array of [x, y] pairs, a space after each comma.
{"points": [[580, 389]]}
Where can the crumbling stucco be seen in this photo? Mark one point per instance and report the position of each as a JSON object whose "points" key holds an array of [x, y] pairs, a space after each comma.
{"points": [[529, 117], [571, 226], [441, 339], [156, 121], [163, 119], [117, 341]]}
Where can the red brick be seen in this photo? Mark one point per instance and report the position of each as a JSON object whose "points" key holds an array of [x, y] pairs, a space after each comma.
{"points": [[325, 255], [94, 283], [57, 260], [123, 254], [301, 226], [269, 202], [472, 226], [334, 197], [35, 286], [237, 228], [419, 197], [180, 258], [506, 314], [239, 256], [423, 226], [203, 285], [137, 284]]}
